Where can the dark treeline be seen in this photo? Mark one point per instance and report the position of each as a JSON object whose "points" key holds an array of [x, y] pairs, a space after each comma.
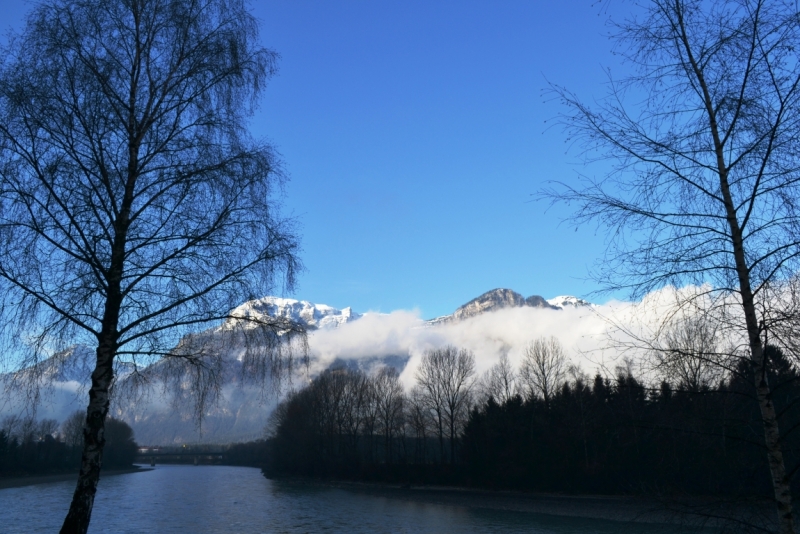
{"points": [[349, 424], [617, 436], [600, 435], [250, 454], [28, 446]]}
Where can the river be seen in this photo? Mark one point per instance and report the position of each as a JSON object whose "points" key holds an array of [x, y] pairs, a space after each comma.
{"points": [[217, 499]]}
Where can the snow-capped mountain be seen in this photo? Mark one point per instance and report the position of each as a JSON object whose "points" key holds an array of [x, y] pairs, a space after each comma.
{"points": [[243, 409], [59, 384], [497, 299], [163, 412], [74, 364], [567, 301], [310, 315]]}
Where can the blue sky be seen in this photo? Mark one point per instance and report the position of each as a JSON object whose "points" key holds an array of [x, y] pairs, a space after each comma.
{"points": [[414, 134]]}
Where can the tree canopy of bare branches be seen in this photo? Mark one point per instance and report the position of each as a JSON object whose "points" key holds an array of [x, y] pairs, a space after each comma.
{"points": [[702, 139], [544, 368], [389, 400], [500, 382], [445, 377], [134, 206], [692, 355]]}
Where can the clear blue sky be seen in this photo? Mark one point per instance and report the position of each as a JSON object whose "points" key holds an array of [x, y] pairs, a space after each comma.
{"points": [[414, 135]]}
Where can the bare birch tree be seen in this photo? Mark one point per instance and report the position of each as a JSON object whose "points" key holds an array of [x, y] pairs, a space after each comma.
{"points": [[705, 168], [430, 394], [419, 420], [134, 206]]}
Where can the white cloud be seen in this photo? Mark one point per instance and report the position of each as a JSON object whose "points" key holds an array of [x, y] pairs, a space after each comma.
{"points": [[596, 339], [580, 330]]}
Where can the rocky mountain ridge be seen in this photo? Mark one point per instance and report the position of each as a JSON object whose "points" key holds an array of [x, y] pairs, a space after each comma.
{"points": [[315, 316], [501, 298]]}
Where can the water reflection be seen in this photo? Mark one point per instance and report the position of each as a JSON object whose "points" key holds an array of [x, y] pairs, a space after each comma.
{"points": [[211, 499]]}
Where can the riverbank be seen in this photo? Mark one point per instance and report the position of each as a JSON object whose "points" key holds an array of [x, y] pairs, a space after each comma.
{"points": [[18, 482], [691, 513]]}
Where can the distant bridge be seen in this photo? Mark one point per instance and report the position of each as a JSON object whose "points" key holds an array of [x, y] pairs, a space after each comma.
{"points": [[153, 456]]}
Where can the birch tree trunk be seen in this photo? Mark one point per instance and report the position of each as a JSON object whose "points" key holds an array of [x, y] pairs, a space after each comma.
{"points": [[80, 510]]}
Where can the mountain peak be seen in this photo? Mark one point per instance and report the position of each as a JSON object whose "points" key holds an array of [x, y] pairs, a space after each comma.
{"points": [[500, 298], [497, 299], [491, 300]]}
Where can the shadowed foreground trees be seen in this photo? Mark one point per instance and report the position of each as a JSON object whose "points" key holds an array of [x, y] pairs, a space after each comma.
{"points": [[30, 447], [134, 206], [620, 436], [345, 418]]}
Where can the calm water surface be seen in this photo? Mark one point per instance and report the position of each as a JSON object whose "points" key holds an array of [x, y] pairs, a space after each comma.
{"points": [[211, 499]]}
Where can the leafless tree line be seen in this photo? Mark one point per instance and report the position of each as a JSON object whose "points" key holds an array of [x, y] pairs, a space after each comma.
{"points": [[29, 445], [345, 410], [28, 428], [355, 413], [15, 427], [543, 370]]}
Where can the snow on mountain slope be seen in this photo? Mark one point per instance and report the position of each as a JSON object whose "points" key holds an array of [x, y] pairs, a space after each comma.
{"points": [[568, 301], [495, 299], [54, 387], [243, 409], [311, 315], [498, 299]]}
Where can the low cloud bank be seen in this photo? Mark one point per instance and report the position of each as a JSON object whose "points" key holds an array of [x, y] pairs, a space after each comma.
{"points": [[597, 339], [488, 335]]}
